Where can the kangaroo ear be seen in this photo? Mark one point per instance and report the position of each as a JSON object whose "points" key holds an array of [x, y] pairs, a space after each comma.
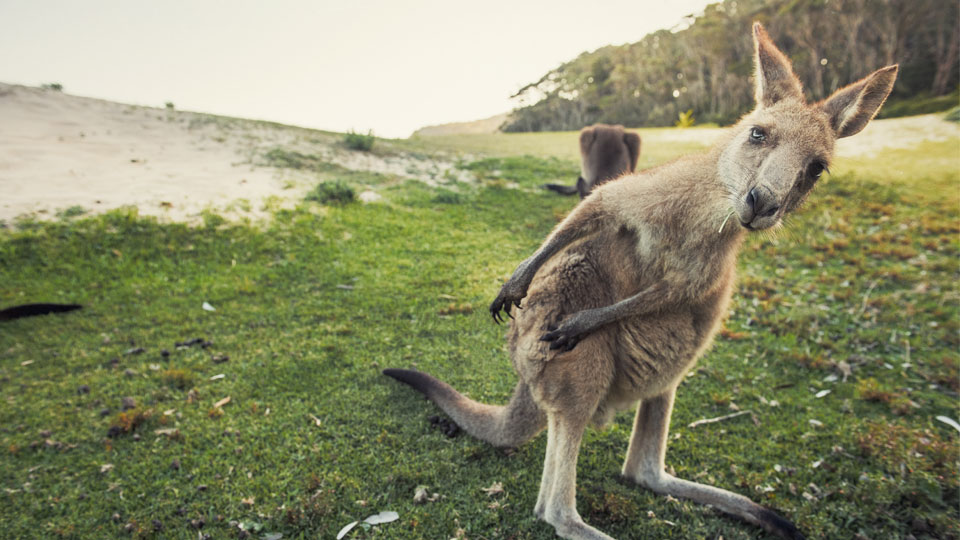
{"points": [[632, 140], [587, 135], [774, 75], [852, 107]]}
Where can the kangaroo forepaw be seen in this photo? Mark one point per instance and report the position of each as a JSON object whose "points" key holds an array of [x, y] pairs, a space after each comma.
{"points": [[561, 339], [569, 333], [510, 295]]}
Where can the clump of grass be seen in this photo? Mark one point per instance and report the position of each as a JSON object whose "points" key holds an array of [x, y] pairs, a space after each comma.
{"points": [[310, 508], [359, 141], [291, 159], [445, 196], [893, 446], [128, 421], [685, 119], [953, 115], [179, 378], [614, 507], [73, 211], [168, 105], [332, 192], [212, 220], [57, 87], [870, 390]]}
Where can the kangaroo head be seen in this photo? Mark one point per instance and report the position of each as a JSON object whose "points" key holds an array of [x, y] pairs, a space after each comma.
{"points": [[778, 151]]}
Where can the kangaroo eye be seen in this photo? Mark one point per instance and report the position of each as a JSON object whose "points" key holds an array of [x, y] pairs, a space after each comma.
{"points": [[815, 169], [757, 135]]}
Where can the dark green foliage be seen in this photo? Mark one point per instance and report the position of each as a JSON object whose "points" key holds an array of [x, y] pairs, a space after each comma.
{"points": [[291, 159], [445, 196], [332, 192], [707, 67], [359, 141], [52, 86], [922, 103]]}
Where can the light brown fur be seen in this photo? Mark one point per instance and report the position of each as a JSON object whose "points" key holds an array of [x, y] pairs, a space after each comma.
{"points": [[606, 153], [628, 291]]}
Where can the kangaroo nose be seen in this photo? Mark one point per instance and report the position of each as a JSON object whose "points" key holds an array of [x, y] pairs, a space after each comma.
{"points": [[761, 204]]}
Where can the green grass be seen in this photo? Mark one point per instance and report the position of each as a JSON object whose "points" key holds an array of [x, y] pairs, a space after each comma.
{"points": [[312, 305], [359, 141], [657, 144], [332, 192]]}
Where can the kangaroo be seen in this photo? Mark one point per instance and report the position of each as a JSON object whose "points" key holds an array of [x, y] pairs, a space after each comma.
{"points": [[629, 289], [606, 152]]}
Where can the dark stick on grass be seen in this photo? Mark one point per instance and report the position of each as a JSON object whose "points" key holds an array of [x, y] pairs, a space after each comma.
{"points": [[30, 310]]}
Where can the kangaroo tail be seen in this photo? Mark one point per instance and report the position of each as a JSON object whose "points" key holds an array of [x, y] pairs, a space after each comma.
{"points": [[561, 189], [29, 310], [509, 425]]}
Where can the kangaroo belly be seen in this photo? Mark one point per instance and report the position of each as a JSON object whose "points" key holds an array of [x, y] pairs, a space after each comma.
{"points": [[568, 283], [618, 364]]}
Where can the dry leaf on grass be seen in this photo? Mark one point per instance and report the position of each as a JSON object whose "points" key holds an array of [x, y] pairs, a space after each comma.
{"points": [[495, 489], [221, 403], [382, 517], [346, 528]]}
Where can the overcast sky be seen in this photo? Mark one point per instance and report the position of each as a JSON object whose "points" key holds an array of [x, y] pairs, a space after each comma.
{"points": [[387, 65]]}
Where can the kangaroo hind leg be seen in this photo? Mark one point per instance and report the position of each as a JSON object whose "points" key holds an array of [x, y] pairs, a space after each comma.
{"points": [[645, 460], [557, 501]]}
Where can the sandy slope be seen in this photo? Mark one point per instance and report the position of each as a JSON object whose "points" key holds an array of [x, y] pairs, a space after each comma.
{"points": [[485, 125], [59, 151]]}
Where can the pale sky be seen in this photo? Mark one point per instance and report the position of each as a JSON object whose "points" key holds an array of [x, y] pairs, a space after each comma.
{"points": [[390, 66]]}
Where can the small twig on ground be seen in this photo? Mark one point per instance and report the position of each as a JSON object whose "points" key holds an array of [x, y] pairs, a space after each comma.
{"points": [[718, 419], [866, 297]]}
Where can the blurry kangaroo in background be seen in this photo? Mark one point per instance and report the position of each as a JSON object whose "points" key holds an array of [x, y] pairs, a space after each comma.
{"points": [[629, 289], [606, 152]]}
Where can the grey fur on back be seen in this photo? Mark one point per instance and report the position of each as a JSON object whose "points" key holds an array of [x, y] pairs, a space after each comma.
{"points": [[607, 152]]}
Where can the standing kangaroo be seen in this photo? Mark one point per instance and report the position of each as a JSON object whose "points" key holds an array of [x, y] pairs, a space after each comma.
{"points": [[606, 152], [629, 289]]}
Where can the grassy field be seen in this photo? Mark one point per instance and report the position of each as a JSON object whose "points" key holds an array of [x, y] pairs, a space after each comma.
{"points": [[842, 341]]}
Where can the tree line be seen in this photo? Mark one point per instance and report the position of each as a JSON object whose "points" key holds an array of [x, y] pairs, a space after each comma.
{"points": [[706, 66]]}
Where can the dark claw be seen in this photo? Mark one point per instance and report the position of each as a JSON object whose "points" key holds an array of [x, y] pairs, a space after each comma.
{"points": [[560, 340], [495, 308], [499, 308]]}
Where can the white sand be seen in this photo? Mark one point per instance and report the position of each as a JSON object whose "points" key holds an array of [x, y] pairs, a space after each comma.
{"points": [[59, 151]]}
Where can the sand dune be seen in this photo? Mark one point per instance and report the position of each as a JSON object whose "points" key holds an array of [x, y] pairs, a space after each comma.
{"points": [[58, 151]]}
